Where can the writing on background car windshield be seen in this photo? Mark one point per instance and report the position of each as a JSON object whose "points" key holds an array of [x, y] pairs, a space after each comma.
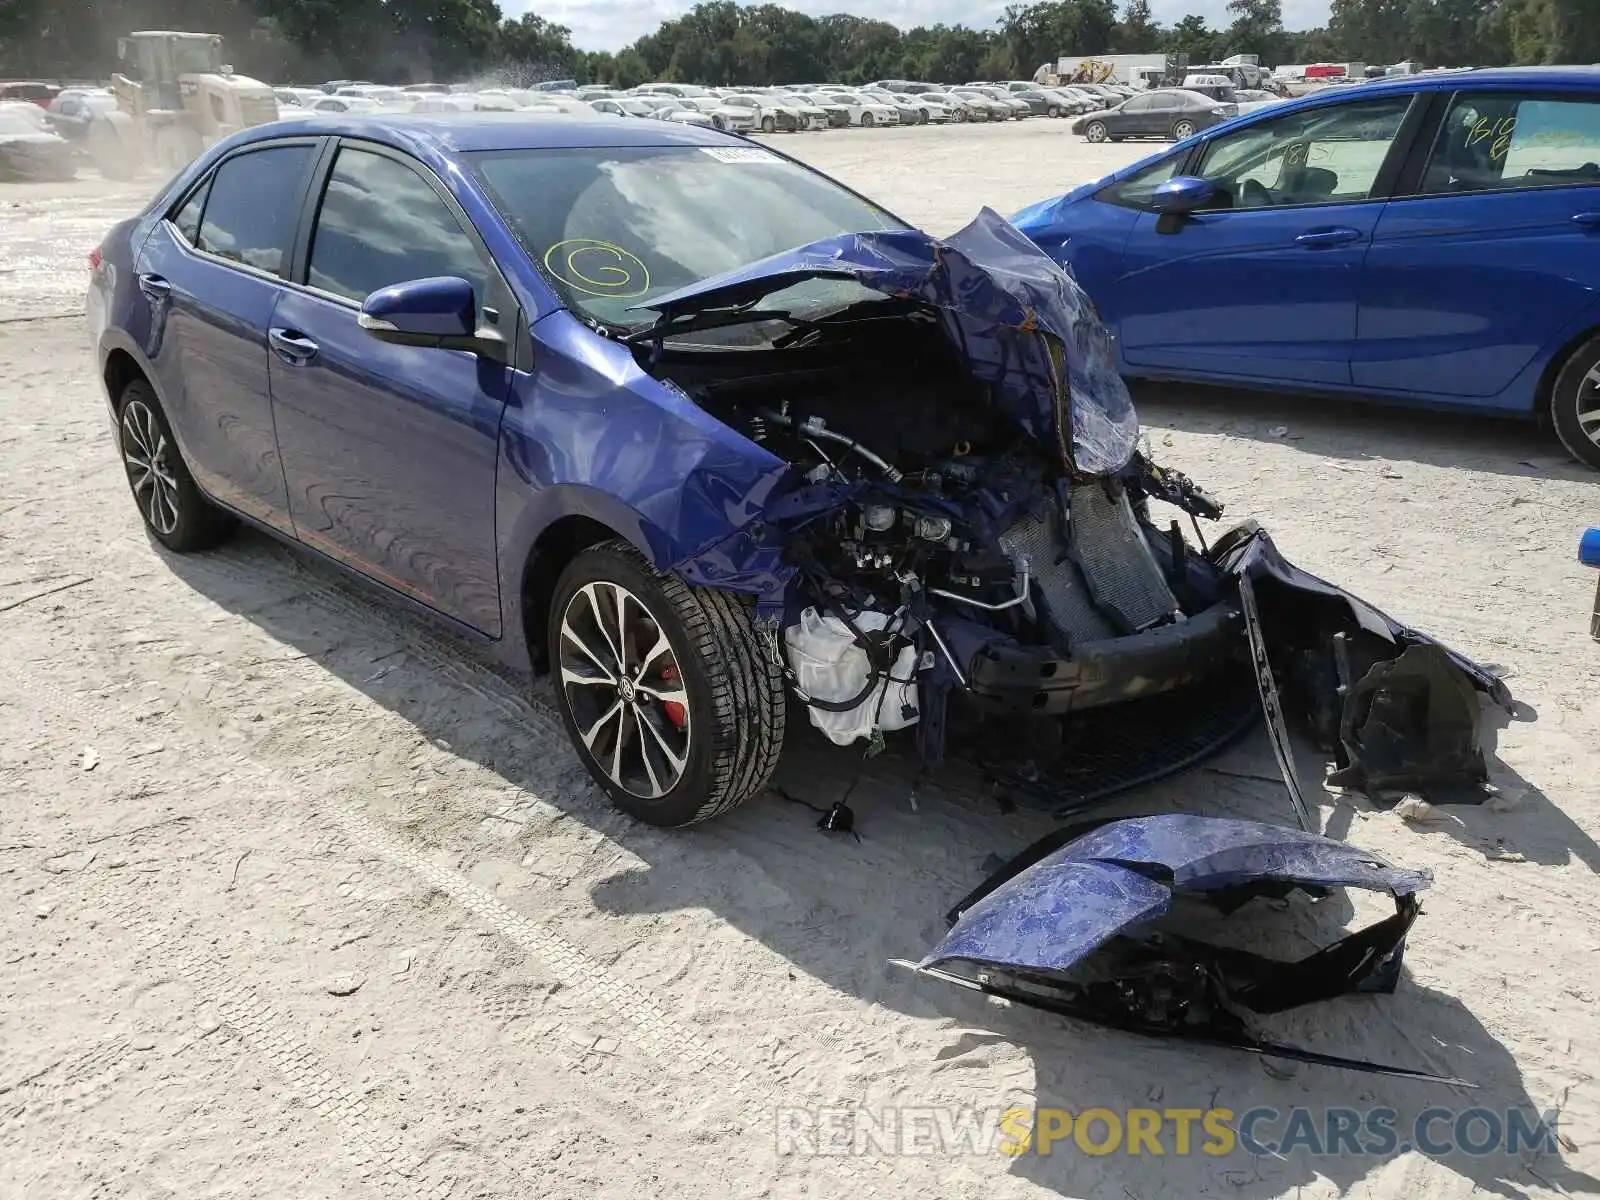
{"points": [[598, 268], [740, 154]]}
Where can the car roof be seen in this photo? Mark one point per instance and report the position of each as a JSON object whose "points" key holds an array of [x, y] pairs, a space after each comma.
{"points": [[446, 134], [1588, 76]]}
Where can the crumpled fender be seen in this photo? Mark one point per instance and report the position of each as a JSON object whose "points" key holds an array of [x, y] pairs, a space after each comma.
{"points": [[1054, 913]]}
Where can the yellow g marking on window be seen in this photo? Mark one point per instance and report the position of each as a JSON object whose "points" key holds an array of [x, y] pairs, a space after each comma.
{"points": [[598, 268]]}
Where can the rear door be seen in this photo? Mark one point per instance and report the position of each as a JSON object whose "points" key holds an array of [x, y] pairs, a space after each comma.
{"points": [[1265, 284], [390, 451], [212, 274], [1489, 265]]}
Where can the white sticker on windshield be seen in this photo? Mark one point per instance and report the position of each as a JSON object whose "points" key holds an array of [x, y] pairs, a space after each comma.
{"points": [[740, 154]]}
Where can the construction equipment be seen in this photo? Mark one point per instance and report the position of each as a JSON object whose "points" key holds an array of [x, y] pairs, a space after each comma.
{"points": [[175, 96]]}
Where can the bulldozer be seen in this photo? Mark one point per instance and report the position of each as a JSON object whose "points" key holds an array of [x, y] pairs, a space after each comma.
{"points": [[175, 97]]}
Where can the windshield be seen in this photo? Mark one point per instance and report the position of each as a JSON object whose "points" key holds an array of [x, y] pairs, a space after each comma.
{"points": [[195, 56], [612, 227], [13, 122]]}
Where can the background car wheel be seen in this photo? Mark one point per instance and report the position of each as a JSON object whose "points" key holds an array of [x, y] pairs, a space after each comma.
{"points": [[719, 123], [959, 117], [1095, 131], [768, 125], [1182, 130], [1575, 404], [667, 692], [169, 500], [866, 120], [1058, 111]]}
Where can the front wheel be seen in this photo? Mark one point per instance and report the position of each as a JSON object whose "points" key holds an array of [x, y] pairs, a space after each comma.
{"points": [[1095, 131], [959, 116], [866, 120], [1182, 130], [667, 693], [1575, 404], [170, 502], [768, 125]]}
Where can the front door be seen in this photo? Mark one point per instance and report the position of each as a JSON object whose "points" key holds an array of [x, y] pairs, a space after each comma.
{"points": [[211, 275], [1496, 258], [1264, 284], [390, 451]]}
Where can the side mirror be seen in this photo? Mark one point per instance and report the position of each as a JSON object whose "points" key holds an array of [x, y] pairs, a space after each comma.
{"points": [[439, 312], [1182, 195]]}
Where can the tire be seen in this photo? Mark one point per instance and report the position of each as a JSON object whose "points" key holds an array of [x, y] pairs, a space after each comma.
{"points": [[866, 120], [1095, 131], [922, 116], [959, 116], [1575, 404], [111, 152], [1056, 111], [1182, 130], [719, 123], [768, 125], [170, 503], [728, 724]]}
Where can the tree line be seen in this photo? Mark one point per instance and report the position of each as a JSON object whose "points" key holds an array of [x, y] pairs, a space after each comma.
{"points": [[721, 42]]}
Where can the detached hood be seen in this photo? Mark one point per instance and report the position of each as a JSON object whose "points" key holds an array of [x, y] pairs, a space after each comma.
{"points": [[1023, 325]]}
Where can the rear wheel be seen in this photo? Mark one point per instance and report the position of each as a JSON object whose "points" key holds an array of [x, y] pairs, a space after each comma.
{"points": [[170, 502], [666, 691], [1575, 404], [1182, 130], [1095, 131]]}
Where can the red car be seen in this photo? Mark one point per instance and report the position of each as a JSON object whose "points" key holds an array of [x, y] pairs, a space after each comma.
{"points": [[34, 93]]}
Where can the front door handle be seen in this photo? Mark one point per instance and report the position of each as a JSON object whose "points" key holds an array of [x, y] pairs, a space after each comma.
{"points": [[294, 348], [1316, 238], [155, 287], [1588, 220]]}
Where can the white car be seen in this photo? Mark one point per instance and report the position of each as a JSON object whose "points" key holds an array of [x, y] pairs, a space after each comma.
{"points": [[298, 97], [622, 106], [356, 105], [734, 118], [667, 109], [864, 111], [816, 117], [772, 116]]}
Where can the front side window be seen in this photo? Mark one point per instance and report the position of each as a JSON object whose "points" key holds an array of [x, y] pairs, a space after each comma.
{"points": [[612, 227], [1495, 140], [253, 205], [381, 223], [1326, 155]]}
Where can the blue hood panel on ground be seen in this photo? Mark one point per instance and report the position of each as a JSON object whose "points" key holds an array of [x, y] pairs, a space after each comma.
{"points": [[1021, 322], [1060, 909]]}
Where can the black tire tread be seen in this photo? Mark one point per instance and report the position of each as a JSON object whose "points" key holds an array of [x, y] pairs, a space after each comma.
{"points": [[1563, 391], [202, 525], [747, 697]]}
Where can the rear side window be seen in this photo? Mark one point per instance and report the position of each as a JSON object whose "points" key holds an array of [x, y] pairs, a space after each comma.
{"points": [[187, 218], [253, 205], [1495, 140], [382, 223]]}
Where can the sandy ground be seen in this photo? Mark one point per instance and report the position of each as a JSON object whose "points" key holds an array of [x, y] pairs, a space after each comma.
{"points": [[305, 900]]}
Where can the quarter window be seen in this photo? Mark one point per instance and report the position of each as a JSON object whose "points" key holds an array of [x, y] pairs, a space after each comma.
{"points": [[381, 223], [187, 218], [1328, 155], [1494, 140], [253, 205]]}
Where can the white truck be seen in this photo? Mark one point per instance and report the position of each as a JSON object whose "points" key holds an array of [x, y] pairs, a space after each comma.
{"points": [[1135, 70]]}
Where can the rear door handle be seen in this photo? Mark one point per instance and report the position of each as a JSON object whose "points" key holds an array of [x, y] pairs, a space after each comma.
{"points": [[294, 348], [1328, 237], [155, 287], [1589, 220]]}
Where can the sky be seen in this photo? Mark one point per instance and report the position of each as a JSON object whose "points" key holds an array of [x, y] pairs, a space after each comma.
{"points": [[612, 24]]}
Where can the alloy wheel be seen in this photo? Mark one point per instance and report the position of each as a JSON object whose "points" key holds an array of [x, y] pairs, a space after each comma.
{"points": [[1096, 132], [624, 689], [1182, 130], [144, 454], [1587, 405]]}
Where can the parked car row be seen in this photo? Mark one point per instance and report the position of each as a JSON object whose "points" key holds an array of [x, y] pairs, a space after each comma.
{"points": [[1172, 113]]}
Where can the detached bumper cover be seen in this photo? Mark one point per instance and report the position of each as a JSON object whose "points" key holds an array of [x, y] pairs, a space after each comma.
{"points": [[1071, 926]]}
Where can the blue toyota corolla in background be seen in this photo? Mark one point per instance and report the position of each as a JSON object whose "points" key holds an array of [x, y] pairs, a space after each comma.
{"points": [[1432, 240]]}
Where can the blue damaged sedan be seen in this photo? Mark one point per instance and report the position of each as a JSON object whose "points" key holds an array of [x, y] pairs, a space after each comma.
{"points": [[690, 427], [1433, 240]]}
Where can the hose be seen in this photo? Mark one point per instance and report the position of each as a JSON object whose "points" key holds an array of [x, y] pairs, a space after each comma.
{"points": [[812, 427]]}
